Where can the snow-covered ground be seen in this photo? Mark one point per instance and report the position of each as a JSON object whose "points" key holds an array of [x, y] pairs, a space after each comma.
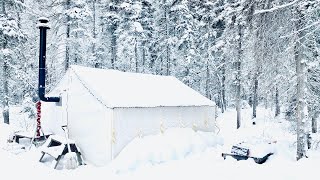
{"points": [[181, 154]]}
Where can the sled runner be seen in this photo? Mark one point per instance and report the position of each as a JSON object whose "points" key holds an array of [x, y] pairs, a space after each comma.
{"points": [[239, 152]]}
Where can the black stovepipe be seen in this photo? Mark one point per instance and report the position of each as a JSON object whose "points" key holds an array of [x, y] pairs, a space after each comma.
{"points": [[43, 26]]}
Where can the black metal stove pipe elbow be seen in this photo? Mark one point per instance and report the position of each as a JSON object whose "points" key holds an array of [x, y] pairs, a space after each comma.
{"points": [[43, 26]]}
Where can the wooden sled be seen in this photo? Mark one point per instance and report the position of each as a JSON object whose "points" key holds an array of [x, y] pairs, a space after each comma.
{"points": [[242, 153], [242, 157]]}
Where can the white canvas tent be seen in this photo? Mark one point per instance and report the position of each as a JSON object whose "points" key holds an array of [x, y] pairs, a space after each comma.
{"points": [[106, 109]]}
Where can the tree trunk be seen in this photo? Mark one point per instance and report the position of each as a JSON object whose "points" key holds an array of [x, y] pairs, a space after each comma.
{"points": [[94, 18], [94, 35], [255, 98], [136, 53], [277, 112], [223, 86], [301, 81], [238, 76], [143, 48], [207, 80], [5, 101], [168, 60], [67, 62], [277, 99], [167, 38], [207, 67], [6, 92], [113, 46], [75, 53], [238, 95], [266, 101], [314, 123], [257, 60]]}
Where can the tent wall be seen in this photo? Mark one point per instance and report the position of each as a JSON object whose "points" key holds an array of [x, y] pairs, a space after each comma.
{"points": [[129, 123], [89, 124], [51, 118]]}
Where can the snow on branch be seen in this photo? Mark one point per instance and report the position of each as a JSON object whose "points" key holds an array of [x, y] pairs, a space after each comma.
{"points": [[304, 28], [275, 8]]}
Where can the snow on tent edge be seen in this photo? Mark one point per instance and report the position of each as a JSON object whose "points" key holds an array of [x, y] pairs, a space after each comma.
{"points": [[124, 89], [173, 144]]}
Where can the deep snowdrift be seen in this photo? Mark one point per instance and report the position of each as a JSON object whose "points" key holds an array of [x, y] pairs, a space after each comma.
{"points": [[182, 154], [173, 144]]}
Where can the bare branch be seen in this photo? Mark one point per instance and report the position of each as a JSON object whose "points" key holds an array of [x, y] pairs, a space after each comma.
{"points": [[275, 8]]}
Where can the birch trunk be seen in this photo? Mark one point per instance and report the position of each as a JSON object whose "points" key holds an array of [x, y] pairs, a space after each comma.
{"points": [[166, 11], [255, 97], [207, 66], [238, 77], [301, 111], [136, 53], [94, 35], [257, 50], [113, 45], [207, 80], [223, 86], [6, 92], [277, 112], [5, 101], [314, 123], [143, 48], [67, 61]]}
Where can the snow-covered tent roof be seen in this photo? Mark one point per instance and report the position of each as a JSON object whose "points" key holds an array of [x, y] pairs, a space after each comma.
{"points": [[116, 89]]}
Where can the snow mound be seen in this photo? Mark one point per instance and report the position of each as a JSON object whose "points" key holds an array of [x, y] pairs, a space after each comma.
{"points": [[6, 136], [173, 144], [6, 133]]}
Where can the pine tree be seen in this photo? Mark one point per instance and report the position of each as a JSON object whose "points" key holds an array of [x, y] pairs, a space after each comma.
{"points": [[108, 38], [79, 39], [164, 41], [10, 37]]}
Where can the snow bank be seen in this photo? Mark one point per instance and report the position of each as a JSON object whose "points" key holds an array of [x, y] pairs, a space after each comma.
{"points": [[6, 133], [174, 144]]}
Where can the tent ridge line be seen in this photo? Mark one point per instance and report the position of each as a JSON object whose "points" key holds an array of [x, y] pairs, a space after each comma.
{"points": [[118, 107], [86, 87]]}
